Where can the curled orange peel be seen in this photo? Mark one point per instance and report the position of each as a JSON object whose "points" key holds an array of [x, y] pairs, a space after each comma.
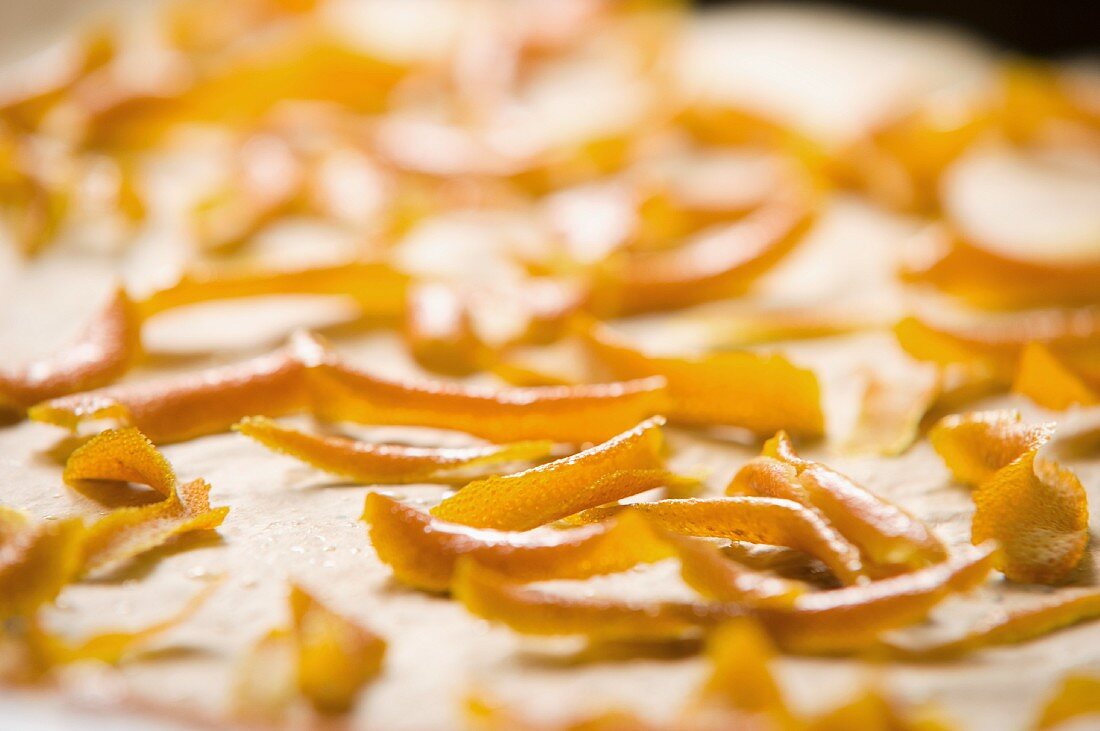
{"points": [[323, 657], [1051, 382], [30, 651], [177, 408], [439, 332], [121, 455], [756, 391], [1036, 509], [1077, 696], [708, 571], [108, 346], [625, 465], [826, 622], [583, 413], [1007, 628], [771, 521], [37, 560], [714, 264], [890, 539], [422, 550], [376, 288], [384, 463]]}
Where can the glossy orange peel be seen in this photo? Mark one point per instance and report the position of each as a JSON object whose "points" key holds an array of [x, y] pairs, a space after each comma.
{"points": [[107, 347], [625, 465], [757, 391], [422, 550], [384, 463]]}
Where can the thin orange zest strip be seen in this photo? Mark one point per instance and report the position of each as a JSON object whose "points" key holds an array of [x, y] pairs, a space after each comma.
{"points": [[772, 521], [422, 550], [121, 455], [625, 465], [104, 351], [586, 413], [384, 463], [759, 392]]}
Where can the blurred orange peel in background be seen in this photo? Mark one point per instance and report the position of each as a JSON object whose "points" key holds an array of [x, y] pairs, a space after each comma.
{"points": [[1036, 509]]}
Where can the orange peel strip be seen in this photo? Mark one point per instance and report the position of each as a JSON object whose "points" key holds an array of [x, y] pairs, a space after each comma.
{"points": [[210, 401], [706, 570], [772, 521], [974, 446], [714, 264], [422, 551], [759, 392], [741, 679], [336, 656], [1077, 696], [376, 288], [889, 537], [1038, 512], [583, 413], [625, 465], [383, 463], [1020, 625], [36, 561], [439, 331], [891, 410], [121, 455], [109, 344], [1050, 382]]}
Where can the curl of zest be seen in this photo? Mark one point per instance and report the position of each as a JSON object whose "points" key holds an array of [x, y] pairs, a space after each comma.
{"points": [[377, 289], [825, 622], [970, 271], [756, 391], [422, 551], [1020, 625], [974, 446], [108, 346], [36, 560], [210, 401], [384, 464], [771, 521], [30, 651], [625, 465], [1077, 696], [126, 455], [439, 332], [1051, 382], [714, 264], [889, 538], [583, 413], [708, 571], [325, 657], [997, 343]]}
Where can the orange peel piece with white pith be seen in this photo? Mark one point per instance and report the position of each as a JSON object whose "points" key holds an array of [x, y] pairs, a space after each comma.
{"points": [[771, 521], [757, 391], [890, 538], [423, 550], [378, 290], [843, 620], [625, 465], [209, 401], [107, 347], [381, 464], [1036, 509], [576, 414]]}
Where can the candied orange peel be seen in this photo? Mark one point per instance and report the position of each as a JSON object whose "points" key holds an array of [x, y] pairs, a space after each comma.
{"points": [[323, 656], [423, 550], [889, 537], [625, 465], [384, 463], [756, 391], [108, 346]]}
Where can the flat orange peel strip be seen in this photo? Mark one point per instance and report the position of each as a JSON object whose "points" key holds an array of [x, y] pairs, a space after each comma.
{"points": [[383, 463], [770, 521], [107, 347], [757, 391], [422, 551], [577, 414], [625, 465]]}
